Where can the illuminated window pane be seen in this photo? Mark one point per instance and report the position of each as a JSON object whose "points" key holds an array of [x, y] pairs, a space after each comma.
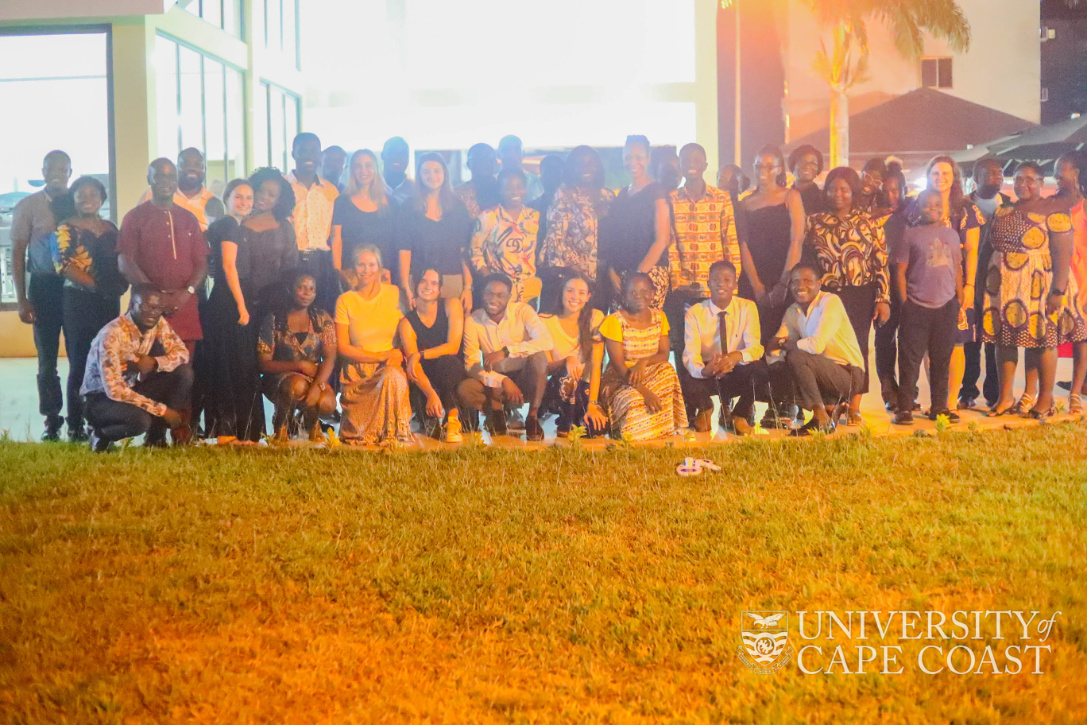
{"points": [[290, 30], [215, 122], [167, 121], [260, 127], [276, 129], [235, 125], [192, 94], [274, 24]]}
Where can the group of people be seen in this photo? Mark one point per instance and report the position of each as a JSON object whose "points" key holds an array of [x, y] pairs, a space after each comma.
{"points": [[345, 291]]}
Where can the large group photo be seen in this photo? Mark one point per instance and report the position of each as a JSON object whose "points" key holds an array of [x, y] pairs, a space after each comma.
{"points": [[685, 391]]}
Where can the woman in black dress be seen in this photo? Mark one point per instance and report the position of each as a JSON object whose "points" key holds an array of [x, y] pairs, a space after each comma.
{"points": [[431, 336], [635, 235], [806, 163], [773, 223], [362, 216], [433, 229], [85, 255], [254, 266]]}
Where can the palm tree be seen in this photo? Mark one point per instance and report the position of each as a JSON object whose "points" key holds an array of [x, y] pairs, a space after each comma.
{"points": [[846, 64]]}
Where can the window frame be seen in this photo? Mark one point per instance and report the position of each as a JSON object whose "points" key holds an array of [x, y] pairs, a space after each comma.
{"points": [[938, 67]]}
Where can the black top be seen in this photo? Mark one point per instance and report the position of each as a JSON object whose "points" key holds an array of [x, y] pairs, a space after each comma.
{"points": [[102, 251], [428, 337], [263, 260], [769, 234], [813, 199], [223, 229], [441, 244], [630, 228], [360, 227]]}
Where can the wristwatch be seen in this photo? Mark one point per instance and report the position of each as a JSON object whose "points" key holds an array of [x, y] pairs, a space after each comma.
{"points": [[506, 351]]}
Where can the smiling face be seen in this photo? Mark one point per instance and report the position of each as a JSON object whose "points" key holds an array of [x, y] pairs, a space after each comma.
{"points": [[932, 208], [363, 171], [147, 310], [432, 176], [871, 181], [638, 295], [191, 171], [840, 195], [482, 162], [367, 268], [428, 286], [575, 295], [804, 285], [88, 200], [721, 283], [636, 160], [56, 171], [240, 201], [767, 170], [496, 298], [587, 171], [162, 177], [692, 163], [988, 178], [892, 189], [1028, 184], [512, 191], [940, 177], [267, 196], [332, 162], [807, 168], [1067, 175], [304, 291], [307, 154]]}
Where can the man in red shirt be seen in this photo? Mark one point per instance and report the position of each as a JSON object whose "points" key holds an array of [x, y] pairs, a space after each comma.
{"points": [[161, 244]]}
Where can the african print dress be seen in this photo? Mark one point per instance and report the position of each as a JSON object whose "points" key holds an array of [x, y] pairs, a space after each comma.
{"points": [[1019, 277], [626, 407], [277, 341]]}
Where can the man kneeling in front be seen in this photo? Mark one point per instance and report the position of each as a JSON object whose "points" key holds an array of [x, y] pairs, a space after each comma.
{"points": [[822, 359], [137, 377]]}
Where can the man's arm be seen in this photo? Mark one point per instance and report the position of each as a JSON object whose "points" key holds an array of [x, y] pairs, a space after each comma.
{"points": [[20, 241], [832, 317], [176, 352], [127, 244], [753, 349], [537, 338], [117, 388]]}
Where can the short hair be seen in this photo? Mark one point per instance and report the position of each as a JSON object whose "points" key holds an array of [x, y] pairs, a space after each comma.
{"points": [[143, 289], [924, 194], [984, 161], [806, 264], [874, 165], [505, 174], [303, 138], [1033, 165], [569, 170], [64, 207], [692, 147], [477, 148], [800, 152], [723, 264], [189, 152], [160, 161], [422, 272], [638, 140], [357, 252], [509, 140], [846, 174], [335, 149], [57, 154], [284, 207], [499, 278], [393, 144], [629, 277]]}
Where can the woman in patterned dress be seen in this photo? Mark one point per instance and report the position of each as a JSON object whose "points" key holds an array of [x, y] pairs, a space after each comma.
{"points": [[851, 252], [297, 354], [373, 385], [640, 387], [960, 214], [573, 223], [1029, 291]]}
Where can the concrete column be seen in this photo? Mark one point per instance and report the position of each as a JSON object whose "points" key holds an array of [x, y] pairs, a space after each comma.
{"points": [[133, 105]]}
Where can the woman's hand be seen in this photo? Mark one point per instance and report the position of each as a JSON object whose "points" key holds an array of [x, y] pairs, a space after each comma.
{"points": [[307, 368], [636, 373], [883, 313], [652, 402], [394, 358], [575, 368], [616, 280], [777, 295], [466, 299], [243, 317], [313, 395], [413, 360], [760, 293], [595, 415], [410, 299], [434, 405]]}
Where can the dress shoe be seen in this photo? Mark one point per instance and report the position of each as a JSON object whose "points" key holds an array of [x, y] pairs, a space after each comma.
{"points": [[495, 423], [533, 430], [703, 421], [741, 426], [98, 444], [52, 430], [903, 417], [77, 434]]}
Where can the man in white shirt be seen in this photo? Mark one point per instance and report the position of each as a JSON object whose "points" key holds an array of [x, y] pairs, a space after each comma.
{"points": [[191, 194], [313, 202], [723, 353], [505, 354], [822, 358]]}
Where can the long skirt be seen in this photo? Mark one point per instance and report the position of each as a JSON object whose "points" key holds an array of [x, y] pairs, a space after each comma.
{"points": [[860, 306], [375, 402], [228, 369], [626, 407]]}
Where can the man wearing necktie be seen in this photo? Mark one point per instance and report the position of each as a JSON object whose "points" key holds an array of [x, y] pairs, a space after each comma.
{"points": [[723, 354]]}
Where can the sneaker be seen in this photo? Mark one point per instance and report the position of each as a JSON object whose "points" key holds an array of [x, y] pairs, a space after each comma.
{"points": [[77, 434], [952, 416], [533, 430], [967, 403], [495, 423], [52, 430], [703, 421], [453, 429], [903, 417], [98, 444]]}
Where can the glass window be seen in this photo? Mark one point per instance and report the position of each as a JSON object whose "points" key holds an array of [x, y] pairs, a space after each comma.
{"points": [[277, 129], [59, 84], [232, 17], [169, 125], [290, 30], [212, 11], [215, 124], [192, 96], [274, 24], [261, 139], [235, 129], [290, 118]]}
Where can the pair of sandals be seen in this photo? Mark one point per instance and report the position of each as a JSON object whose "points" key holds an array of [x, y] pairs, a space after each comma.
{"points": [[1024, 408]]}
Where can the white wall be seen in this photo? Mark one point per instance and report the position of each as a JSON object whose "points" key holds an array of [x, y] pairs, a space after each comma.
{"points": [[1002, 69]]}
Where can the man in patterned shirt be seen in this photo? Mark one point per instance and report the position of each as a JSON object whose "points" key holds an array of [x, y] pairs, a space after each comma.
{"points": [[138, 377], [705, 230]]}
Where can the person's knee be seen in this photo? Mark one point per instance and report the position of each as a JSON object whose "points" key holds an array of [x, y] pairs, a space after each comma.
{"points": [[297, 387], [183, 378], [327, 403], [797, 359], [470, 394], [140, 422]]}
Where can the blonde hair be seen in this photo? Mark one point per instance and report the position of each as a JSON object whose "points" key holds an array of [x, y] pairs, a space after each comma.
{"points": [[376, 191]]}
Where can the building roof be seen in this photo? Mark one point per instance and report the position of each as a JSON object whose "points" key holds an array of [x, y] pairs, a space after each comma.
{"points": [[925, 121]]}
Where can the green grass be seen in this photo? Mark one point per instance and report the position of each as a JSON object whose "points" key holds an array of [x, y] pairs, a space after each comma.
{"points": [[493, 585]]}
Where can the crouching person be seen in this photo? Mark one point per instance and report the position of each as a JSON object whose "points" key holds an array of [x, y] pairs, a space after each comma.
{"points": [[823, 361], [138, 376], [505, 354]]}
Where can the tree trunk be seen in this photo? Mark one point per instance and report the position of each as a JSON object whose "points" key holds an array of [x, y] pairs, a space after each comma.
{"points": [[839, 128]]}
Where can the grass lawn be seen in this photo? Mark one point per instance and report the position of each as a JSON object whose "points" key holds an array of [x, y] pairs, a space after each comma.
{"points": [[486, 585]]}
